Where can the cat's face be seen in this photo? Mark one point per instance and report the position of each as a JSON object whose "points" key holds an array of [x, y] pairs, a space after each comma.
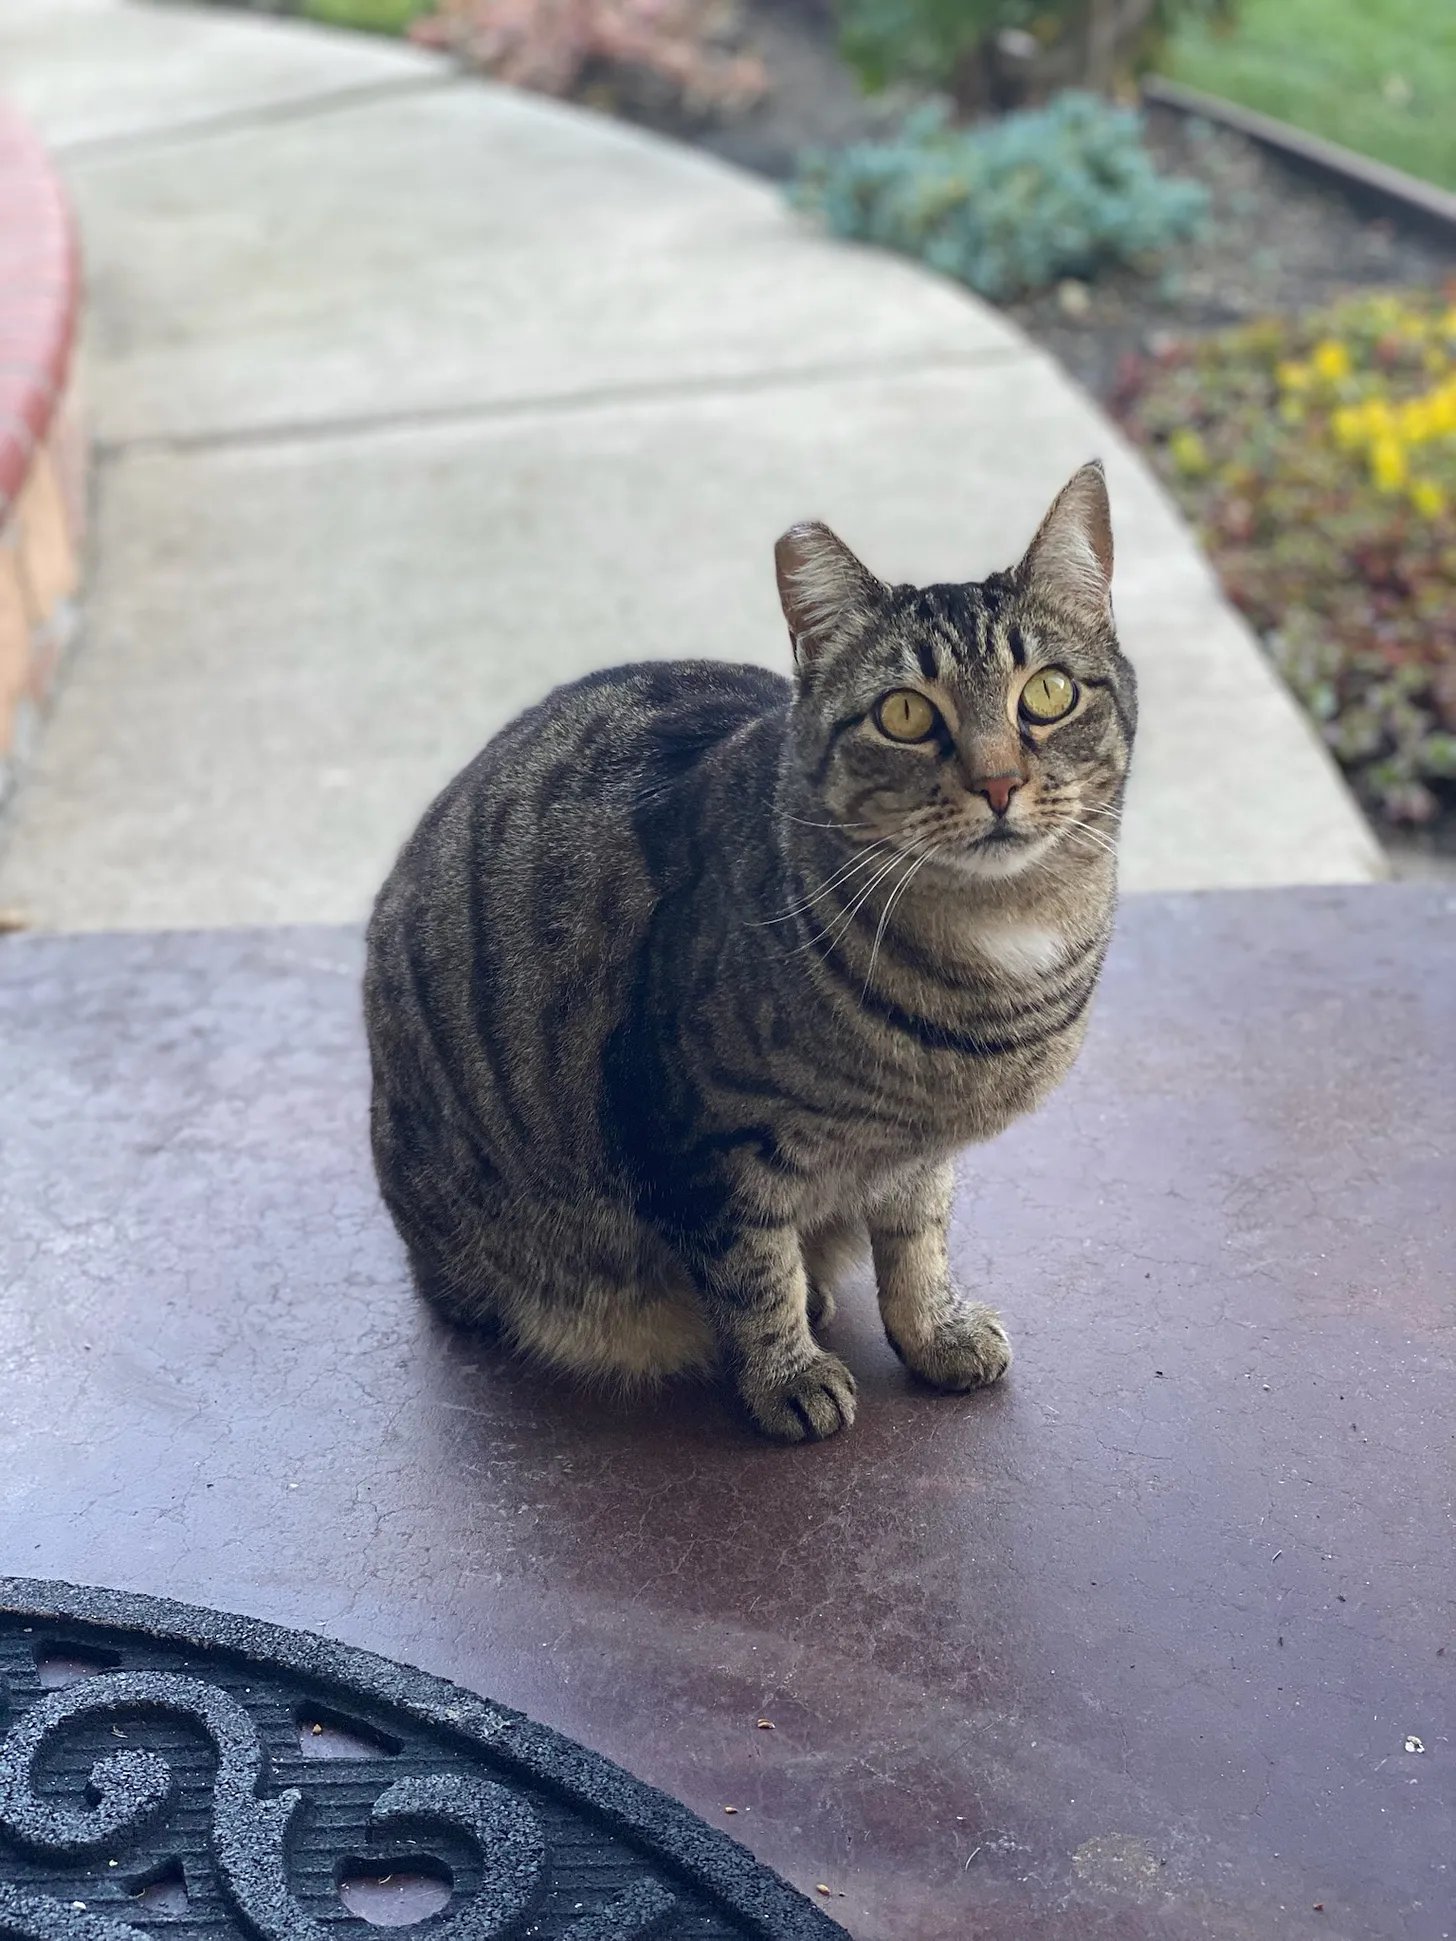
{"points": [[982, 725]]}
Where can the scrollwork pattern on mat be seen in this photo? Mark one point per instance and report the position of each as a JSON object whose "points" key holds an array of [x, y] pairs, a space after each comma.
{"points": [[129, 1791], [36, 1917]]}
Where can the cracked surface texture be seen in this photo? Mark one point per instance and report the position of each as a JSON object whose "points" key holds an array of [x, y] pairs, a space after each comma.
{"points": [[1128, 1649]]}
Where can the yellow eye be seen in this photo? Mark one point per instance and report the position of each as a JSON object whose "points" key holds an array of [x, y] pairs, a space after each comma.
{"points": [[1048, 695], [904, 715]]}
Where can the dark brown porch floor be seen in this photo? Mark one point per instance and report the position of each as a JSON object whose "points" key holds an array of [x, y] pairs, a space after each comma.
{"points": [[1131, 1647]]}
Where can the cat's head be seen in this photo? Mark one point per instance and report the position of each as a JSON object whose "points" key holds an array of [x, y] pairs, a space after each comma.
{"points": [[989, 721]]}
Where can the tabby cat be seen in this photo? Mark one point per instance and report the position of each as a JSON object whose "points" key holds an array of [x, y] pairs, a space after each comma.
{"points": [[695, 979]]}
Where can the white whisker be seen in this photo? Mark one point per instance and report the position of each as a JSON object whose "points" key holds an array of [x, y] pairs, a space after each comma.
{"points": [[855, 863], [894, 898], [1096, 836], [859, 902], [900, 855], [805, 823]]}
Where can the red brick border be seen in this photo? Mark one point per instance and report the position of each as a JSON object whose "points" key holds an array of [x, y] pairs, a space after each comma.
{"points": [[42, 460]]}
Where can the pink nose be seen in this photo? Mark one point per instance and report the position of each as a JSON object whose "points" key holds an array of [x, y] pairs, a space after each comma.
{"points": [[998, 790]]}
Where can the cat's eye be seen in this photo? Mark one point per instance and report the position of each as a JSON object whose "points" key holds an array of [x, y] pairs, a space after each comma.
{"points": [[904, 715], [1048, 695]]}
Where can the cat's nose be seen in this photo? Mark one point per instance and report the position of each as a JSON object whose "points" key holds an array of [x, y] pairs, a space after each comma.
{"points": [[997, 789]]}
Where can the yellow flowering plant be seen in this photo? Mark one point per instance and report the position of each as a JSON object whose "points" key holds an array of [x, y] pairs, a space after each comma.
{"points": [[1317, 458]]}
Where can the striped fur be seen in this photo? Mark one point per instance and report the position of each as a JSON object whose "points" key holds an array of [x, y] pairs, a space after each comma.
{"points": [[693, 982]]}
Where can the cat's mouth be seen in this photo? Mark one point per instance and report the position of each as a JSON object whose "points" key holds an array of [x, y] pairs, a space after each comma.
{"points": [[997, 851], [1001, 835]]}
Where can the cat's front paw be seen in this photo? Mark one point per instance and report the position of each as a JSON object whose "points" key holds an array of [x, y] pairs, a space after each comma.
{"points": [[965, 1348], [816, 1401]]}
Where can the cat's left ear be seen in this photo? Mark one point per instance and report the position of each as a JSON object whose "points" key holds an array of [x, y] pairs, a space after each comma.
{"points": [[1071, 557], [824, 589]]}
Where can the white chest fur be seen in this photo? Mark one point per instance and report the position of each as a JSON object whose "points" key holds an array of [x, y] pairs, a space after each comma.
{"points": [[1017, 948]]}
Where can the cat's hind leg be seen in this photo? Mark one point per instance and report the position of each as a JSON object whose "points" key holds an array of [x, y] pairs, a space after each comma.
{"points": [[463, 1306], [611, 1335], [575, 1288]]}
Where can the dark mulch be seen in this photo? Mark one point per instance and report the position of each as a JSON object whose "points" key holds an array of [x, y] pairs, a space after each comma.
{"points": [[1276, 244], [815, 101]]}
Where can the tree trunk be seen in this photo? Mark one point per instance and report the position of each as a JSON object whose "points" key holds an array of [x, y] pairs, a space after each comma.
{"points": [[973, 86], [1095, 52]]}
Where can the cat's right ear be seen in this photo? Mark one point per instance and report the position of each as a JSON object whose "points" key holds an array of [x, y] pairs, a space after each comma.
{"points": [[824, 589]]}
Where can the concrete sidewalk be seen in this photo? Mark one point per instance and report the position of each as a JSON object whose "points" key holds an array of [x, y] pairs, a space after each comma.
{"points": [[414, 396]]}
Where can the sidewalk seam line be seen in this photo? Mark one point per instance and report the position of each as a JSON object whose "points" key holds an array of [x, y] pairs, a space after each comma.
{"points": [[88, 148], [553, 404]]}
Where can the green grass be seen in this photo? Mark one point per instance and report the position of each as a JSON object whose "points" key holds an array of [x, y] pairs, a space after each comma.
{"points": [[1377, 75], [374, 16]]}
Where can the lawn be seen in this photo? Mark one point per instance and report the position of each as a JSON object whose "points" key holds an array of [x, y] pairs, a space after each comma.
{"points": [[1377, 75], [375, 16]]}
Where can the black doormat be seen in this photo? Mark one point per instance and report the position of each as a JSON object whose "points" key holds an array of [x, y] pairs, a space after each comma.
{"points": [[173, 1772]]}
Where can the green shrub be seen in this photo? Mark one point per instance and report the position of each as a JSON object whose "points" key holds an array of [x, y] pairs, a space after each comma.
{"points": [[1013, 206], [919, 40]]}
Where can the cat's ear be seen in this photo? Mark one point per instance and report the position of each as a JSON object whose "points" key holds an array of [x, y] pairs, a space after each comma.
{"points": [[1071, 557], [824, 589]]}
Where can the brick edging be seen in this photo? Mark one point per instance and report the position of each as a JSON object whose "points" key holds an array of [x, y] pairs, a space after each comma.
{"points": [[42, 453]]}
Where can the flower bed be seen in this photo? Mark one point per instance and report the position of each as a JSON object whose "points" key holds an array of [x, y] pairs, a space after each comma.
{"points": [[1317, 458]]}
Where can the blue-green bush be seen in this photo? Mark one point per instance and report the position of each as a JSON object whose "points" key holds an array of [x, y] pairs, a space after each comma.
{"points": [[1009, 206]]}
